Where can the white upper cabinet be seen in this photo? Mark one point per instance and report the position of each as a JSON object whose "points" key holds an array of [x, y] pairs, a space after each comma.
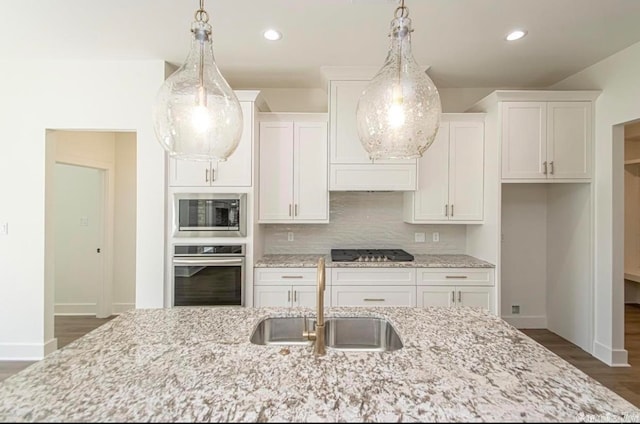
{"points": [[450, 175], [234, 172], [546, 140], [350, 165], [293, 169]]}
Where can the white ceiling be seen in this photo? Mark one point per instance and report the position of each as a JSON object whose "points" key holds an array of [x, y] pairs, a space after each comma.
{"points": [[461, 40]]}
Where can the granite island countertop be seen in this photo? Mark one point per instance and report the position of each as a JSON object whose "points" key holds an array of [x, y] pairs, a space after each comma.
{"points": [[420, 261], [197, 364]]}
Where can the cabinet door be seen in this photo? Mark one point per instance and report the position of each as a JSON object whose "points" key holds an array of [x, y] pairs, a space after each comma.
{"points": [[305, 296], [345, 143], [475, 296], [435, 296], [236, 170], [311, 194], [373, 296], [569, 139], [189, 173], [524, 140], [276, 172], [431, 198], [277, 296], [466, 171]]}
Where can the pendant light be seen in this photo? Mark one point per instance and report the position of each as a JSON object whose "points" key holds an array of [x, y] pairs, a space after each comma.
{"points": [[197, 115], [398, 113]]}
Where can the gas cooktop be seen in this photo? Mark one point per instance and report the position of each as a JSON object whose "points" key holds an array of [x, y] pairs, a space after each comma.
{"points": [[370, 255]]}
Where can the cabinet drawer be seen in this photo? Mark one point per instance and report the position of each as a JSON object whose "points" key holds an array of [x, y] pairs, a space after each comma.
{"points": [[373, 276], [300, 276], [455, 276], [378, 296]]}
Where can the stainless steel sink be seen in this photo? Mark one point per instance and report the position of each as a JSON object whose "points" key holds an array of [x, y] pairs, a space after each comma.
{"points": [[361, 334], [281, 331], [341, 333]]}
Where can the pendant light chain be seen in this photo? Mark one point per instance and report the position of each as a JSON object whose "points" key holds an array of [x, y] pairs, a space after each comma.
{"points": [[202, 15], [404, 11]]}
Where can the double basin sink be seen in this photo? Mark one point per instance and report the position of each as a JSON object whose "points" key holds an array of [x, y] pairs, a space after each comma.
{"points": [[367, 334]]}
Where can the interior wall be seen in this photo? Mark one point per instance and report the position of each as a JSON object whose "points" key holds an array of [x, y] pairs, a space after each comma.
{"points": [[569, 264], [88, 95], [617, 77], [124, 237], [79, 195], [524, 254], [363, 220]]}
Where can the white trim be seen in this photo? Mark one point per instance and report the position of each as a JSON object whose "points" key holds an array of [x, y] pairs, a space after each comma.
{"points": [[119, 308], [75, 309], [535, 95], [532, 321], [25, 351], [50, 346], [611, 357]]}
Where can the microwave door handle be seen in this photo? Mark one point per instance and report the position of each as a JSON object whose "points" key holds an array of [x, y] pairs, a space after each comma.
{"points": [[208, 261]]}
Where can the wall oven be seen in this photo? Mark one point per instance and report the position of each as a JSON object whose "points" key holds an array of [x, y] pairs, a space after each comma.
{"points": [[210, 215], [208, 275]]}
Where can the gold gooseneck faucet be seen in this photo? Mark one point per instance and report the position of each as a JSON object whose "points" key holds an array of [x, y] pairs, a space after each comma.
{"points": [[318, 334]]}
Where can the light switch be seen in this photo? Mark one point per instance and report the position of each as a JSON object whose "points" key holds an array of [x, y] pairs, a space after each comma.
{"points": [[419, 237], [290, 236]]}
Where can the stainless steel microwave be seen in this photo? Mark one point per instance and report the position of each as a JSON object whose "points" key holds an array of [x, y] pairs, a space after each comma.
{"points": [[210, 215]]}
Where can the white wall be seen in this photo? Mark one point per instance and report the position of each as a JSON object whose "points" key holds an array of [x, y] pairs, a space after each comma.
{"points": [[617, 77], [78, 219], [90, 95], [524, 254]]}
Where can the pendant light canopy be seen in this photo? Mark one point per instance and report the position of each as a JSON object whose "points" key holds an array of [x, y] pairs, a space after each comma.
{"points": [[398, 113], [197, 115]]}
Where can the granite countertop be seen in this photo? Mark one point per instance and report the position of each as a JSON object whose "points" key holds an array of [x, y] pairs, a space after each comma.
{"points": [[197, 364], [420, 261]]}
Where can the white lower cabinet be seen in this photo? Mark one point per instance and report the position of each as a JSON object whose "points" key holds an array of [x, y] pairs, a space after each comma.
{"points": [[288, 287], [373, 286], [456, 287]]}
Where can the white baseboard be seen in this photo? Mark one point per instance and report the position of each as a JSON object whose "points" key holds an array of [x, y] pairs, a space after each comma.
{"points": [[27, 351], [75, 309], [527, 321], [611, 357], [119, 308]]}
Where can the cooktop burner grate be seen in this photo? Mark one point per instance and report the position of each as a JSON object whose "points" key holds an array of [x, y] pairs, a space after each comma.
{"points": [[370, 255]]}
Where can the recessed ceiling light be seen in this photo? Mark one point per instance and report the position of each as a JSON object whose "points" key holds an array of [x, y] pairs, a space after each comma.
{"points": [[272, 35], [516, 35]]}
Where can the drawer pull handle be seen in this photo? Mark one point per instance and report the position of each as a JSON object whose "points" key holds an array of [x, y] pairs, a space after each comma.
{"points": [[459, 297], [374, 300], [288, 295], [455, 277], [291, 276]]}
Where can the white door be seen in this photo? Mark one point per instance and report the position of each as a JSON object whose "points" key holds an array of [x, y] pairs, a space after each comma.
{"points": [[305, 296], [276, 172], [524, 140], [435, 296], [569, 139], [466, 171], [432, 196], [475, 296], [236, 170], [311, 195], [345, 143], [189, 173], [79, 230], [276, 296]]}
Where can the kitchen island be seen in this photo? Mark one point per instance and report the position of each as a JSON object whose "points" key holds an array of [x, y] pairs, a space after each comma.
{"points": [[197, 364]]}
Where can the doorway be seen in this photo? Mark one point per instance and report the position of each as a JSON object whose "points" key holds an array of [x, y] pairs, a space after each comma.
{"points": [[91, 221]]}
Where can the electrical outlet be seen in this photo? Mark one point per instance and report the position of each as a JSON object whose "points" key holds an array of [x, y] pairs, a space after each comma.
{"points": [[515, 309], [419, 237], [290, 236], [84, 221], [4, 229], [436, 237]]}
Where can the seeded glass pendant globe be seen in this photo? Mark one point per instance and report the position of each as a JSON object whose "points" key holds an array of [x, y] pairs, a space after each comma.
{"points": [[197, 115], [398, 113]]}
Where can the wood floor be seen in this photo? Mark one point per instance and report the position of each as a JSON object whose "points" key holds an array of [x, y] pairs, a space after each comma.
{"points": [[624, 381]]}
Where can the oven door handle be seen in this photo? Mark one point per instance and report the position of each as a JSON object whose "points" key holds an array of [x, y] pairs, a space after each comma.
{"points": [[208, 261]]}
